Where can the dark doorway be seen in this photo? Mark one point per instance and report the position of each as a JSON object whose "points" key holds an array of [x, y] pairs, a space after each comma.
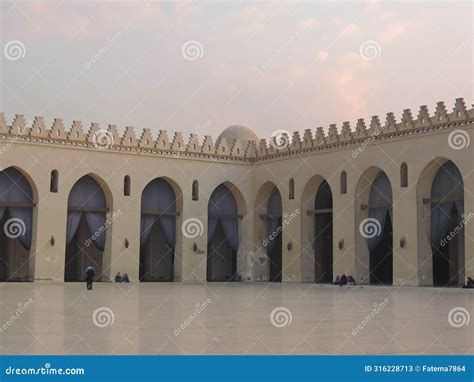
{"points": [[380, 237], [447, 226], [156, 257], [446, 253], [323, 247], [381, 257], [14, 258], [16, 221], [221, 259], [222, 236], [157, 231], [275, 254], [86, 229], [274, 231], [80, 253]]}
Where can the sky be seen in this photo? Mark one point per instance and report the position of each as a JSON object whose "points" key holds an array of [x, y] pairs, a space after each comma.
{"points": [[198, 67]]}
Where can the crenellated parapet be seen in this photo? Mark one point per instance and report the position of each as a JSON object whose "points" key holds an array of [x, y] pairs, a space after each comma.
{"points": [[97, 137]]}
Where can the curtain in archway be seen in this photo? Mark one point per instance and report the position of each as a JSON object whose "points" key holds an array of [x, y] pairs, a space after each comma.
{"points": [[159, 196], [15, 189], [380, 194], [323, 198], [88, 195], [274, 212], [447, 185], [223, 207]]}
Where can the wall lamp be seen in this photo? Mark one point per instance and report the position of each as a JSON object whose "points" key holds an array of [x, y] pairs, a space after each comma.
{"points": [[52, 241], [403, 242], [126, 243], [289, 246], [341, 244]]}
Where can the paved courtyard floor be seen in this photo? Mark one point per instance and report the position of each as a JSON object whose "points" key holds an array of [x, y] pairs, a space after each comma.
{"points": [[233, 318]]}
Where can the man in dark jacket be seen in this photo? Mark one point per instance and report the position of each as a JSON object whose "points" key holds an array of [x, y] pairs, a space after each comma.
{"points": [[89, 277], [343, 280]]}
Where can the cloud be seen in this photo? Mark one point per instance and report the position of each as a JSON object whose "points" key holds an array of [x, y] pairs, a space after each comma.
{"points": [[308, 24], [349, 30], [395, 30], [323, 55]]}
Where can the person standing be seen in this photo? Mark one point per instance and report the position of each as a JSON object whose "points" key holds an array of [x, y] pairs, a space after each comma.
{"points": [[89, 277]]}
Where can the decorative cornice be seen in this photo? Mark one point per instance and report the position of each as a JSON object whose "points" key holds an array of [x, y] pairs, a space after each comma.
{"points": [[97, 138]]}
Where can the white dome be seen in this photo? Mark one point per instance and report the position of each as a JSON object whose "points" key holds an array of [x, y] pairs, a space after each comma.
{"points": [[238, 132]]}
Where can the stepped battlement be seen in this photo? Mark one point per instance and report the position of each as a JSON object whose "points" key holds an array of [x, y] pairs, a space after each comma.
{"points": [[280, 144]]}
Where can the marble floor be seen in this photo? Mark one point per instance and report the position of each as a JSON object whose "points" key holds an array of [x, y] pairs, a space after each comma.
{"points": [[233, 318]]}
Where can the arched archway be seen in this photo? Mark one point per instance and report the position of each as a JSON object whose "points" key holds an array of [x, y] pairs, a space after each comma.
{"points": [[374, 228], [317, 234], [16, 225], [269, 232], [87, 227], [441, 248], [222, 234], [158, 231]]}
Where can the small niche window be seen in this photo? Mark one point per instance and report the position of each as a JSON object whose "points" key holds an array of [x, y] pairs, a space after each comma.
{"points": [[126, 185], [195, 190], [53, 186], [291, 189], [404, 175], [343, 182]]}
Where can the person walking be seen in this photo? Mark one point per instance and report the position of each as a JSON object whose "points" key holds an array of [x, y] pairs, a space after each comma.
{"points": [[89, 277]]}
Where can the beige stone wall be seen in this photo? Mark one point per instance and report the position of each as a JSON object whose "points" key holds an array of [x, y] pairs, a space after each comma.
{"points": [[251, 170]]}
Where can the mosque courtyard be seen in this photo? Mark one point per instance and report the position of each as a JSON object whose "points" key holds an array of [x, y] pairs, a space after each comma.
{"points": [[233, 318]]}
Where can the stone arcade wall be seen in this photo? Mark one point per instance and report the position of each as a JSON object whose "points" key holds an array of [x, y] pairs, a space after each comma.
{"points": [[250, 166]]}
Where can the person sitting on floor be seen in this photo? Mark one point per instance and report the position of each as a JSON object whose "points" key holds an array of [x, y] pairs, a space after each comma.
{"points": [[118, 277], [351, 280], [125, 278], [469, 283], [343, 280], [337, 280]]}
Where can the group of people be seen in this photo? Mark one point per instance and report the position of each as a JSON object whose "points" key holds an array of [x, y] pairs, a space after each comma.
{"points": [[469, 283], [344, 280], [90, 277], [122, 279]]}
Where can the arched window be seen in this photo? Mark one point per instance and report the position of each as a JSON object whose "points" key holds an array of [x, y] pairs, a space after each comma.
{"points": [[53, 186], [195, 190], [126, 185], [403, 175], [343, 182], [291, 189]]}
